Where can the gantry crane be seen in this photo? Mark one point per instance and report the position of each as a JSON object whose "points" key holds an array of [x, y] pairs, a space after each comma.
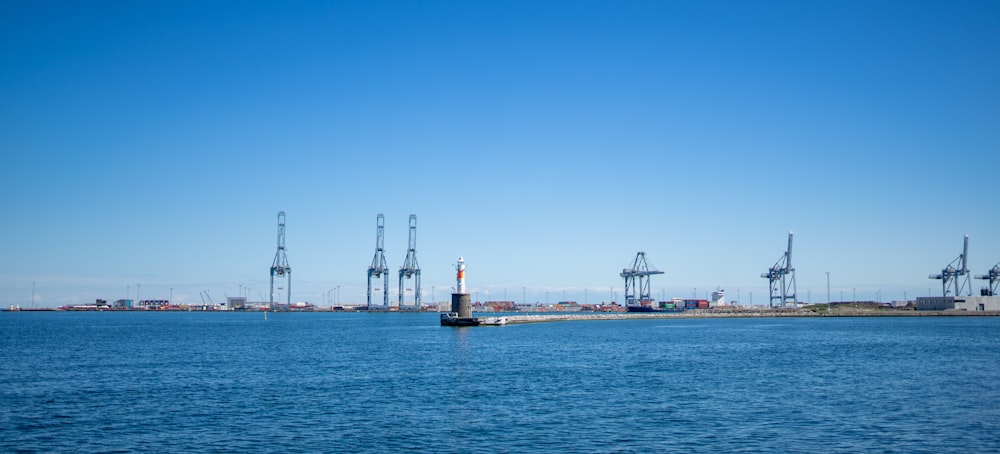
{"points": [[781, 279], [951, 274], [378, 268], [637, 280], [280, 266], [993, 275], [410, 268]]}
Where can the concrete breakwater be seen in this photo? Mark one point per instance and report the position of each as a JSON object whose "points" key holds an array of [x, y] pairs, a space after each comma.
{"points": [[738, 313]]}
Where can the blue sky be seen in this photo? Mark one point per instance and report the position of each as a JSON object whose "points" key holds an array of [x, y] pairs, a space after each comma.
{"points": [[153, 143]]}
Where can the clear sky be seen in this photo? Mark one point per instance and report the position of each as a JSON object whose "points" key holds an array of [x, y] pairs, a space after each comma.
{"points": [[153, 143]]}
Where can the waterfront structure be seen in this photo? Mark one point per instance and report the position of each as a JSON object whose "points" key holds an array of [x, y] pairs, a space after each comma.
{"points": [[461, 302], [718, 298], [461, 305], [637, 285], [993, 276], [410, 268], [378, 267], [781, 279], [962, 303], [280, 266], [236, 303], [950, 274]]}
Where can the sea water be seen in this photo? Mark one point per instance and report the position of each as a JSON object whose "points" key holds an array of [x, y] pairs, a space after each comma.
{"points": [[388, 382]]}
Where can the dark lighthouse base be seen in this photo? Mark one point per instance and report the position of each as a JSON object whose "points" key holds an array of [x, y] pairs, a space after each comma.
{"points": [[461, 313]]}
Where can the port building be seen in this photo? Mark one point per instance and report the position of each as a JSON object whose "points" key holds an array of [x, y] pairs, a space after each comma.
{"points": [[962, 303]]}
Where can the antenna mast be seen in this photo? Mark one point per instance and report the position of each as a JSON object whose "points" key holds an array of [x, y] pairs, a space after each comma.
{"points": [[280, 266], [410, 267], [378, 268]]}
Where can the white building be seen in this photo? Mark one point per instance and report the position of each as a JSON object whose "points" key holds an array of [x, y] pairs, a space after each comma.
{"points": [[964, 303]]}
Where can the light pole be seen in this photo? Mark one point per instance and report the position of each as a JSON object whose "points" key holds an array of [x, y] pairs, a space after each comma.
{"points": [[827, 287]]}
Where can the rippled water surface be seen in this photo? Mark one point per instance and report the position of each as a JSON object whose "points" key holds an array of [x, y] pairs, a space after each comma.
{"points": [[308, 382]]}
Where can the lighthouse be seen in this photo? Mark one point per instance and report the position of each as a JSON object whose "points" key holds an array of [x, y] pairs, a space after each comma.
{"points": [[461, 303]]}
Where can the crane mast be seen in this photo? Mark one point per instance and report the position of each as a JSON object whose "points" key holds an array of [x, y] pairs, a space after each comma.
{"points": [[280, 266], [781, 279], [378, 268], [410, 268], [952, 275]]}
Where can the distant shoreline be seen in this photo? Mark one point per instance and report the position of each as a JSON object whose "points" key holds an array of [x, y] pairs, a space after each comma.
{"points": [[727, 312], [744, 313]]}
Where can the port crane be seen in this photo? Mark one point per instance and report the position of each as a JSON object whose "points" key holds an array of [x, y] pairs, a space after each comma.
{"points": [[410, 268], [950, 274], [280, 266], [993, 275], [378, 268], [637, 279], [781, 278]]}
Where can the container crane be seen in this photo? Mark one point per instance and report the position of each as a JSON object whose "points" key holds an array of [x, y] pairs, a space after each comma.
{"points": [[378, 268], [993, 275], [950, 274], [781, 278], [637, 280], [410, 268], [280, 266]]}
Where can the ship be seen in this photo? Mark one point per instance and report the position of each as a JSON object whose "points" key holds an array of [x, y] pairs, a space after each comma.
{"points": [[452, 319], [653, 306]]}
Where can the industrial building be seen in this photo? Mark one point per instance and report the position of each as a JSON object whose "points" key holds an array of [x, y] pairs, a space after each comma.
{"points": [[962, 303]]}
